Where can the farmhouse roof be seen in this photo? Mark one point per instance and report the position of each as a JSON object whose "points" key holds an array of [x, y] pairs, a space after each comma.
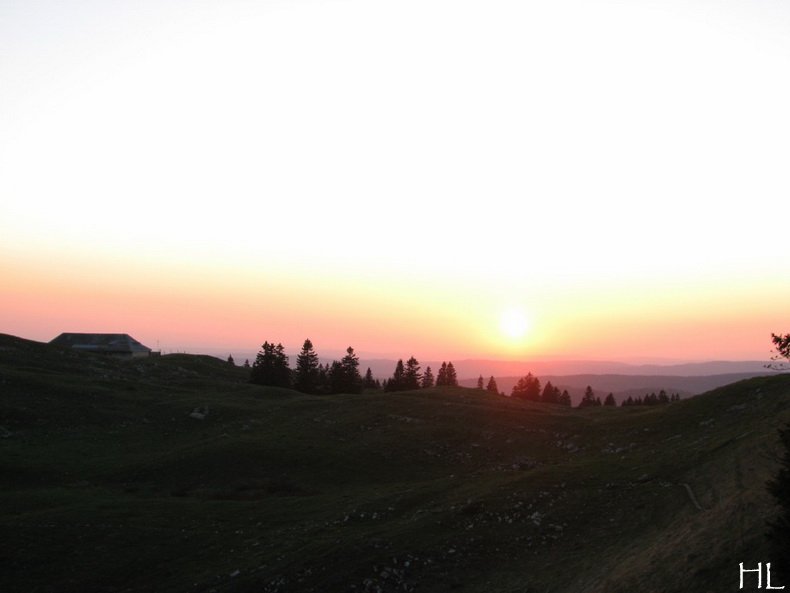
{"points": [[121, 343]]}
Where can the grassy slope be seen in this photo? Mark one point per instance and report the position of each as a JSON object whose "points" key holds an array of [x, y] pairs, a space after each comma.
{"points": [[107, 484]]}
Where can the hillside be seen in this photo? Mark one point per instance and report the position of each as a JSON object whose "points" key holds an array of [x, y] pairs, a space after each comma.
{"points": [[109, 482]]}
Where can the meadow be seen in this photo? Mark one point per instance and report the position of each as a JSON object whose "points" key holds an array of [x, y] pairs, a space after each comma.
{"points": [[174, 474]]}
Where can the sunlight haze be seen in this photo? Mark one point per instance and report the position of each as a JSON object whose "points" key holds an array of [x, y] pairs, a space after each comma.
{"points": [[399, 176]]}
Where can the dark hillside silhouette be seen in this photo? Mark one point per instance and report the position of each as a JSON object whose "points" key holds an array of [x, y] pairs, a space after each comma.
{"points": [[779, 528]]}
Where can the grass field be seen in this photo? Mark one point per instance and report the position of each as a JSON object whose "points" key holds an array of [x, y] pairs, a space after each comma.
{"points": [[109, 484]]}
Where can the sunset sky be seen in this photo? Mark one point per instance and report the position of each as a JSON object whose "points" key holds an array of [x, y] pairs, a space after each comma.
{"points": [[449, 179]]}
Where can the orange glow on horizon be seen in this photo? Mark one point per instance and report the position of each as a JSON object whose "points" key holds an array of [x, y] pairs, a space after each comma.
{"points": [[186, 308]]}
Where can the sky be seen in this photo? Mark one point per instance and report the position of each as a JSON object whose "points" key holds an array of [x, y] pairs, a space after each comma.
{"points": [[450, 179]]}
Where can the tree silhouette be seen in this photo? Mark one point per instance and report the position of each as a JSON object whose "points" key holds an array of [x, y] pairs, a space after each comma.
{"points": [[781, 351], [588, 399], [551, 394], [492, 386], [610, 401], [350, 366], [480, 383], [441, 378], [427, 379], [397, 382], [368, 382], [411, 374], [271, 367], [231, 362], [565, 398], [307, 369], [452, 379], [528, 388]]}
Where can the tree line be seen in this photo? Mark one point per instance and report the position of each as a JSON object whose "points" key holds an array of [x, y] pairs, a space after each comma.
{"points": [[271, 367], [407, 377], [529, 388]]}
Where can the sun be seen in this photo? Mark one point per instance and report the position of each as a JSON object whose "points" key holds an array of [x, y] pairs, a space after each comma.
{"points": [[514, 323]]}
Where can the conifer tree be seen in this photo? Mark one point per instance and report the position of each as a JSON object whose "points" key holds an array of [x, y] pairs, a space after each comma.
{"points": [[411, 374], [271, 367], [452, 379], [492, 386], [610, 401], [427, 379], [441, 378], [588, 399], [368, 382], [231, 362], [551, 394], [396, 383], [528, 388], [480, 383], [565, 398], [307, 369], [350, 366], [246, 363]]}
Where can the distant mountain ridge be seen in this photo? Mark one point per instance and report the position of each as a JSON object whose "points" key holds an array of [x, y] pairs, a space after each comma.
{"points": [[471, 368]]}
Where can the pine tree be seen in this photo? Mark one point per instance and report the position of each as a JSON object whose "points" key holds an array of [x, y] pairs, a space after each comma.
{"points": [[492, 386], [427, 379], [480, 382], [368, 382], [411, 374], [271, 367], [307, 369], [441, 378], [452, 379], [565, 399], [588, 399], [528, 388], [779, 529], [397, 381], [350, 372], [610, 401], [550, 395], [246, 363], [231, 362]]}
